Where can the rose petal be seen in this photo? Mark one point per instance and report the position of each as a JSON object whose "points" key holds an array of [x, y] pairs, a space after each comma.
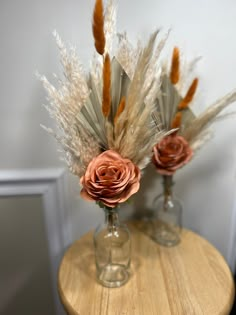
{"points": [[85, 195], [170, 154], [110, 179]]}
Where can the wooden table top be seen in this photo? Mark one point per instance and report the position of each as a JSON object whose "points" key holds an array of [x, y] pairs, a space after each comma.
{"points": [[191, 278]]}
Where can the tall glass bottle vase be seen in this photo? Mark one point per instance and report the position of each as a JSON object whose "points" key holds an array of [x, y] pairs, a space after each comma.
{"points": [[168, 216], [112, 251]]}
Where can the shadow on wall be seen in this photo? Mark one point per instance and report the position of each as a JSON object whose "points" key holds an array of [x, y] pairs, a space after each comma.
{"points": [[28, 293], [150, 187]]}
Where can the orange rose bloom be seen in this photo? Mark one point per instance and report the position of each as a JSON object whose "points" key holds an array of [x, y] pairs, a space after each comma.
{"points": [[110, 179], [171, 153]]}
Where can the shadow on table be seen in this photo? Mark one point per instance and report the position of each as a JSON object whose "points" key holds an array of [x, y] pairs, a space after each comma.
{"points": [[85, 263], [233, 311]]}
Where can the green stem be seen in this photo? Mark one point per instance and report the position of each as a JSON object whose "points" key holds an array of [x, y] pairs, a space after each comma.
{"points": [[111, 221], [167, 184]]}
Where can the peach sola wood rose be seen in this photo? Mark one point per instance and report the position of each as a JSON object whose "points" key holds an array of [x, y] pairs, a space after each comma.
{"points": [[110, 179], [171, 153], [106, 128]]}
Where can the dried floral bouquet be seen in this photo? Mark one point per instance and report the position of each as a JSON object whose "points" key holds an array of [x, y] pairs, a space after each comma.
{"points": [[108, 127], [177, 149], [107, 111]]}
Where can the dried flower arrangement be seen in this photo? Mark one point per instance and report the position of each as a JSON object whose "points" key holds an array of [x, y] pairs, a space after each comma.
{"points": [[177, 149], [105, 117]]}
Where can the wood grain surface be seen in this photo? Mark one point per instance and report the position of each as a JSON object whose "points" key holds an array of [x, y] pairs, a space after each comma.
{"points": [[191, 278]]}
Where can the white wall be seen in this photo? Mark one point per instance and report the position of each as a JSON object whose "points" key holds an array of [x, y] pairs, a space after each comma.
{"points": [[207, 185]]}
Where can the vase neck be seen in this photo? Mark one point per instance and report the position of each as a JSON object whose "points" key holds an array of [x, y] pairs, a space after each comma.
{"points": [[111, 217], [167, 186]]}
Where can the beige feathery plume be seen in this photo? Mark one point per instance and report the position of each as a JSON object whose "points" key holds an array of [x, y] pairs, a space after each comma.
{"points": [[134, 133], [135, 97], [106, 102], [176, 122], [174, 72], [189, 96], [98, 27], [67, 101], [201, 139], [120, 109], [110, 25], [127, 55], [206, 118], [154, 70], [137, 93]]}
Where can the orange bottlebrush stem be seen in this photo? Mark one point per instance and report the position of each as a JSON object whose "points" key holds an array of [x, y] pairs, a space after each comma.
{"points": [[189, 96], [174, 72], [120, 109], [98, 27], [176, 122], [106, 102]]}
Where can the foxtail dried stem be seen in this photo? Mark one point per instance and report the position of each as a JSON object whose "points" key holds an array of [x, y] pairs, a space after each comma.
{"points": [[189, 96], [120, 109], [176, 122], [174, 72], [98, 27], [106, 102]]}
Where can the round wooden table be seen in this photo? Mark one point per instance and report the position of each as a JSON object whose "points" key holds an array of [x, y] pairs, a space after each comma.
{"points": [[191, 278]]}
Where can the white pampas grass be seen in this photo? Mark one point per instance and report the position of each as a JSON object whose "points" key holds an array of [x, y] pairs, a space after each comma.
{"points": [[66, 101], [208, 116], [134, 133], [127, 54], [201, 139], [110, 25]]}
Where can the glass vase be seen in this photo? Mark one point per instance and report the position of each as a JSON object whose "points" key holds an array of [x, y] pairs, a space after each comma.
{"points": [[112, 251], [168, 215]]}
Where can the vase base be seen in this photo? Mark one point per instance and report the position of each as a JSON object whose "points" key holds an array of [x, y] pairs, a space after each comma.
{"points": [[167, 237], [113, 275]]}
